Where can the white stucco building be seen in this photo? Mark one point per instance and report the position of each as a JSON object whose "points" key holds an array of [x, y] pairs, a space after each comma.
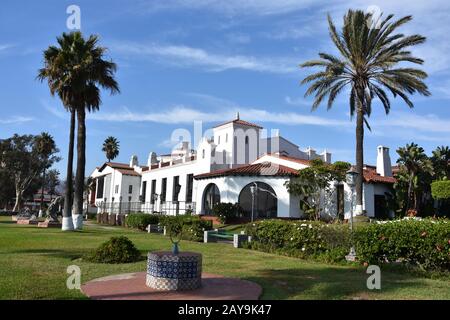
{"points": [[223, 168]]}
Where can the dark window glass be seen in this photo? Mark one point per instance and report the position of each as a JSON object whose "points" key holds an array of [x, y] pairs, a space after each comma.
{"points": [[189, 187], [100, 187], [153, 192], [176, 188], [144, 191], [163, 189], [130, 189]]}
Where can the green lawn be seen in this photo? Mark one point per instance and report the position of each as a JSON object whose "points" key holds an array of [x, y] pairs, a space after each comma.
{"points": [[33, 265]]}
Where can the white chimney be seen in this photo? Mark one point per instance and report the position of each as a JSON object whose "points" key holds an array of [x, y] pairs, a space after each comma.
{"points": [[134, 161], [152, 159], [384, 167]]}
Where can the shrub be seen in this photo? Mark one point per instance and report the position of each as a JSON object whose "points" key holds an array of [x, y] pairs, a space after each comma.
{"points": [[441, 189], [298, 238], [425, 243], [115, 250], [226, 211], [141, 220], [192, 226]]}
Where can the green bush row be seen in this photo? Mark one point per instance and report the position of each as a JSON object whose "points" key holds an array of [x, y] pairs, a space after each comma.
{"points": [[193, 227], [425, 243], [441, 189], [141, 220]]}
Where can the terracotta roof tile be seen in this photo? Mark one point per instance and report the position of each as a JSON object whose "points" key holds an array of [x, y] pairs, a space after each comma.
{"points": [[241, 122], [130, 172], [265, 168], [288, 158], [371, 176]]}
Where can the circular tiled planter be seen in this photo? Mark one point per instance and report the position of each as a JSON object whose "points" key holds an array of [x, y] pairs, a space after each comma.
{"points": [[169, 272]]}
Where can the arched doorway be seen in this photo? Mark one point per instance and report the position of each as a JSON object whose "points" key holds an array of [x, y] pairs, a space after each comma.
{"points": [[265, 201], [211, 197]]}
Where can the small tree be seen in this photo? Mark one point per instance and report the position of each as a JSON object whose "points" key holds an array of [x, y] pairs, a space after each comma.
{"points": [[52, 182], [441, 192], [314, 183], [21, 156]]}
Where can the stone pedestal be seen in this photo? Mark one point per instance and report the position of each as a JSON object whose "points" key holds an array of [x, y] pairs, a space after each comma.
{"points": [[169, 272], [27, 222], [50, 224]]}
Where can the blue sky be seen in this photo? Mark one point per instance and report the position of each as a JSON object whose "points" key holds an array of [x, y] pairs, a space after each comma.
{"points": [[181, 61]]}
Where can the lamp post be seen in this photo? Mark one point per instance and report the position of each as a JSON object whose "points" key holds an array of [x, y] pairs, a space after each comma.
{"points": [[253, 192], [351, 177]]}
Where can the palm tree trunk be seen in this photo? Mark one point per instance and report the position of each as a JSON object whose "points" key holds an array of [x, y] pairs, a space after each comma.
{"points": [[359, 160], [81, 163], [68, 201], [410, 187]]}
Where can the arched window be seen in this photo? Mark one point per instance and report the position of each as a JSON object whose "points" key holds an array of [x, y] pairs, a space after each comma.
{"points": [[265, 202], [211, 197], [203, 154]]}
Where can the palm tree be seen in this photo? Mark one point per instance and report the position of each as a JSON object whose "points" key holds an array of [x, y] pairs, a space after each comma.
{"points": [[368, 68], [74, 70], [441, 162], [413, 162], [111, 148], [45, 147]]}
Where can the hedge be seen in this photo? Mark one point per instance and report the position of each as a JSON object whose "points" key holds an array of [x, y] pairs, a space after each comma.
{"points": [[425, 243], [193, 226], [441, 189], [300, 239], [141, 220]]}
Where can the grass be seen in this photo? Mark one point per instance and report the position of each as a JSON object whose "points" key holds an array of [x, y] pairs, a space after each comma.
{"points": [[33, 264]]}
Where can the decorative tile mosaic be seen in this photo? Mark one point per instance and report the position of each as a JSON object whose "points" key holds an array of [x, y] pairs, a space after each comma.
{"points": [[166, 271]]}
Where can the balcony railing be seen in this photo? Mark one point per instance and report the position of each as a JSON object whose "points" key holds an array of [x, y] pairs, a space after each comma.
{"points": [[172, 208]]}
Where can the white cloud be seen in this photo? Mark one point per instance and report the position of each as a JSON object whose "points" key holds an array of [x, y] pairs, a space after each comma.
{"points": [[58, 112], [231, 7], [183, 115], [186, 56], [16, 120], [298, 101]]}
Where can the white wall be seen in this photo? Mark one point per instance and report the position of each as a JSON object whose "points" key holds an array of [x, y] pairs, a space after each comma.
{"points": [[231, 187]]}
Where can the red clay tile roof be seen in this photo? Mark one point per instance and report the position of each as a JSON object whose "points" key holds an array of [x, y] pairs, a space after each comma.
{"points": [[259, 169], [130, 172], [293, 159], [241, 122], [115, 165], [371, 176]]}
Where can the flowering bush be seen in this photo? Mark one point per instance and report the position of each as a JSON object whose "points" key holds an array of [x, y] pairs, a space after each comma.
{"points": [[300, 238], [423, 242]]}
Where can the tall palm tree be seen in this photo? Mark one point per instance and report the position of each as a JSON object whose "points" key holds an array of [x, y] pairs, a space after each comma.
{"points": [[441, 162], [368, 67], [46, 146], [111, 148], [413, 161], [74, 70]]}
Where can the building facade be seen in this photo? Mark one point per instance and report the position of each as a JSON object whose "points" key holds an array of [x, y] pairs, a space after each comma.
{"points": [[237, 164]]}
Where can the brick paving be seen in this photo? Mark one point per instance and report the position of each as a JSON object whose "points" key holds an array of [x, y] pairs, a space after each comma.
{"points": [[132, 287]]}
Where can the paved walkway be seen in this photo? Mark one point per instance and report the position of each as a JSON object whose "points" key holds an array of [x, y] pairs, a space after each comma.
{"points": [[132, 286]]}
